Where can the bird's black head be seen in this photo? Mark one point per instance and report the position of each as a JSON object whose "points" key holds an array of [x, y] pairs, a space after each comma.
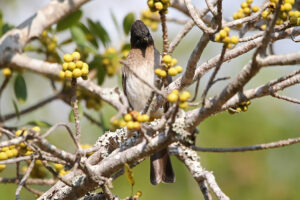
{"points": [[140, 35]]}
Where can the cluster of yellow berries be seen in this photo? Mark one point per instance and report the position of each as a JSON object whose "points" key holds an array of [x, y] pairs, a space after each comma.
{"points": [[15, 150], [38, 170], [169, 67], [60, 169], [50, 43], [242, 107], [6, 153], [73, 67], [132, 120], [6, 72], [159, 5], [223, 36], [110, 60], [245, 10], [286, 13], [150, 19], [174, 96], [23, 148], [91, 100]]}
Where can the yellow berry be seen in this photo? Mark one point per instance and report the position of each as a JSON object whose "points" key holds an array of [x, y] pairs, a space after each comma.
{"points": [[167, 59], [2, 167], [174, 61], [150, 3], [61, 74], [154, 26], [76, 73], [37, 129], [234, 39], [130, 125], [3, 156], [287, 7], [122, 123], [68, 57], [229, 46], [165, 1], [5, 149], [175, 92], [235, 16], [172, 71], [226, 39], [145, 117], [127, 117], [9, 154], [68, 74], [249, 1], [255, 9], [238, 109], [163, 73], [105, 61], [79, 64], [76, 55], [218, 38], [58, 167], [71, 66], [183, 105], [15, 152], [263, 27], [6, 71], [185, 95], [247, 11], [265, 14], [290, 1], [28, 153], [178, 69], [136, 125], [227, 29], [172, 97], [244, 5], [65, 66], [39, 163], [159, 6], [223, 34], [240, 15]]}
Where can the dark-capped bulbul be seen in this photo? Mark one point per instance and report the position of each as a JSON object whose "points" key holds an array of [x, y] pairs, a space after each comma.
{"points": [[143, 59]]}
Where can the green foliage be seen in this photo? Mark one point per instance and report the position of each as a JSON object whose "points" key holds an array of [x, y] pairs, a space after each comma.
{"points": [[39, 123], [97, 64], [80, 39], [127, 22], [16, 108], [99, 31], [20, 88], [69, 21]]}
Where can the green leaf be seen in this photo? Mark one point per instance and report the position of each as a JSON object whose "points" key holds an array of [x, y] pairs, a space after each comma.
{"points": [[88, 34], [101, 72], [113, 16], [69, 21], [16, 108], [42, 124], [98, 30], [80, 39], [20, 89], [6, 27], [80, 112], [127, 22]]}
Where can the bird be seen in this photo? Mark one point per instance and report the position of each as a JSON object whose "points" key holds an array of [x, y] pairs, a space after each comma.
{"points": [[143, 59]]}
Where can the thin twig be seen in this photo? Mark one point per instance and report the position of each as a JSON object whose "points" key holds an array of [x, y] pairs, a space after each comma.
{"points": [[29, 181], [31, 108], [212, 77], [23, 180], [289, 99], [271, 145], [107, 192]]}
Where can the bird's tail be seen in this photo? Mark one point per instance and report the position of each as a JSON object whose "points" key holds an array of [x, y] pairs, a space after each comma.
{"points": [[161, 168]]}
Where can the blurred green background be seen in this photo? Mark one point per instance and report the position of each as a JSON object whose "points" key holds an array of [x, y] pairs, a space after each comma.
{"points": [[272, 174]]}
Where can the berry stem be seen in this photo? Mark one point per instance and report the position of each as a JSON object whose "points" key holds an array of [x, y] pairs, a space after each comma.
{"points": [[165, 33], [74, 103]]}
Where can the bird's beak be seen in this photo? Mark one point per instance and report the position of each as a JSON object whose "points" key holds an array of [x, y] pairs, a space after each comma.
{"points": [[146, 39]]}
